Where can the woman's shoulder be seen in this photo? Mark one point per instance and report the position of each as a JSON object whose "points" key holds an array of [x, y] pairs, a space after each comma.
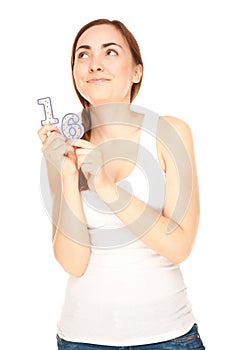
{"points": [[168, 129], [179, 125], [176, 122]]}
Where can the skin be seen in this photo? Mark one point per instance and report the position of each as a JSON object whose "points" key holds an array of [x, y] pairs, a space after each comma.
{"points": [[104, 74], [102, 53]]}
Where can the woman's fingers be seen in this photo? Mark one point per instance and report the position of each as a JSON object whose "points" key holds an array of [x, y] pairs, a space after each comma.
{"points": [[45, 131], [57, 151], [55, 148], [80, 143], [70, 153], [90, 160]]}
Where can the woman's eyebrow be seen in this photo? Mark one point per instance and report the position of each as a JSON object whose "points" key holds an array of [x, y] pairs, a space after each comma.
{"points": [[88, 47], [110, 44]]}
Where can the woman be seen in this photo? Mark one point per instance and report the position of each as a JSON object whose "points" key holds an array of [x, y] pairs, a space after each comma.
{"points": [[119, 236]]}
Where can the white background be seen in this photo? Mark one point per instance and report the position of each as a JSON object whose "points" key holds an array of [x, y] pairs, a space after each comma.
{"points": [[187, 51]]}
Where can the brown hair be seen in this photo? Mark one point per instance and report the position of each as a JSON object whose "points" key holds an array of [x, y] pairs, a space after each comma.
{"points": [[133, 46], [136, 54]]}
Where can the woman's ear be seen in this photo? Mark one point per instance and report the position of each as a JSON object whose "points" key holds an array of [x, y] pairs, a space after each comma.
{"points": [[137, 73]]}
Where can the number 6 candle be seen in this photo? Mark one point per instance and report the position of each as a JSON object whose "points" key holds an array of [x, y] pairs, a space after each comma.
{"points": [[71, 126]]}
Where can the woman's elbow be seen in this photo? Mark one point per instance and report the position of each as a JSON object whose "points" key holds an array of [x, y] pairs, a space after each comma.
{"points": [[75, 272], [178, 259], [180, 255], [74, 267]]}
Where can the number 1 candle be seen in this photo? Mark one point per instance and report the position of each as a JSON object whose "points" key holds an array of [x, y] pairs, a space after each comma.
{"points": [[49, 118]]}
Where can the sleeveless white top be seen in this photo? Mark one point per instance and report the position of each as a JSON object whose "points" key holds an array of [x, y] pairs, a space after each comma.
{"points": [[129, 294]]}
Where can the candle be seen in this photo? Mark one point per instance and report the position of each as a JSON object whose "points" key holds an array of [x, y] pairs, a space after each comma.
{"points": [[49, 118], [71, 126]]}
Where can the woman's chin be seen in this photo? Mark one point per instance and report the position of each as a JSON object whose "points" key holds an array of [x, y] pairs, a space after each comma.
{"points": [[104, 101]]}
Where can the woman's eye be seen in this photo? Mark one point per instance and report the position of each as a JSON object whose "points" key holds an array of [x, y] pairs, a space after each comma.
{"points": [[111, 53], [82, 55]]}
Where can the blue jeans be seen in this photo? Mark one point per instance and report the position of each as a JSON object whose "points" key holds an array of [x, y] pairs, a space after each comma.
{"points": [[188, 341]]}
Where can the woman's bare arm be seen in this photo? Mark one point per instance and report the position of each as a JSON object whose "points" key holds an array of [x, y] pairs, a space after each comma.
{"points": [[71, 243], [173, 232], [70, 235]]}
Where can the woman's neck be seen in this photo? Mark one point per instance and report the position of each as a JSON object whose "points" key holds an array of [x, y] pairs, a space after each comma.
{"points": [[113, 121]]}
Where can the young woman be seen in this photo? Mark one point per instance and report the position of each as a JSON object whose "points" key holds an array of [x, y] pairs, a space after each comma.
{"points": [[125, 206]]}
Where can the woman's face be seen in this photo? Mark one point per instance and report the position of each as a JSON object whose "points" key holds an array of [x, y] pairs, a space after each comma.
{"points": [[104, 70]]}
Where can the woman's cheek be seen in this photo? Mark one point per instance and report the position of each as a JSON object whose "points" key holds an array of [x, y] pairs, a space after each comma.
{"points": [[79, 81]]}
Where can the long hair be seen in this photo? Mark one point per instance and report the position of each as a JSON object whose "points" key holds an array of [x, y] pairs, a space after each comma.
{"points": [[136, 54], [134, 49]]}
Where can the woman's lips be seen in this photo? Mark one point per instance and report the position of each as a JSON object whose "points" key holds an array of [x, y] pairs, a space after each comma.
{"points": [[97, 80]]}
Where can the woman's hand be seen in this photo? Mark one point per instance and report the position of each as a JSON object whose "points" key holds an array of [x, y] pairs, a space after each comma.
{"points": [[45, 131], [90, 160], [57, 150], [70, 163]]}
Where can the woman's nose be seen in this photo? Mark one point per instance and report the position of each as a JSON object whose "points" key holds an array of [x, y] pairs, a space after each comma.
{"points": [[96, 69], [96, 66]]}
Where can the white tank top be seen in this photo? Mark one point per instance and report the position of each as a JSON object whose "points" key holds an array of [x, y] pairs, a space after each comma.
{"points": [[129, 294]]}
